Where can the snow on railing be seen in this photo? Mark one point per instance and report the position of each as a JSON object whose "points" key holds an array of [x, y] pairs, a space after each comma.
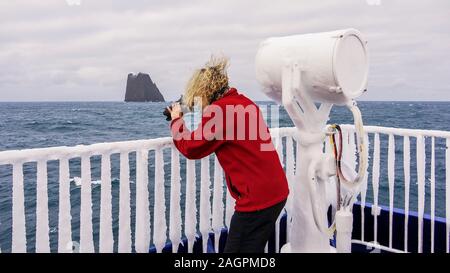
{"points": [[166, 202], [414, 194]]}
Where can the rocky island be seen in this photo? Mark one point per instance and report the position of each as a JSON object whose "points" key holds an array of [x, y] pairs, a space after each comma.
{"points": [[140, 87]]}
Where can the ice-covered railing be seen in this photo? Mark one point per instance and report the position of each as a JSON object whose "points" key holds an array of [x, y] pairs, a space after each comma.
{"points": [[402, 174], [171, 202], [203, 206]]}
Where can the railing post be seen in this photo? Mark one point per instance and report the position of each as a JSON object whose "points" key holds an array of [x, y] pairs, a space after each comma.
{"points": [[420, 149], [124, 205], [159, 217], [190, 217], [42, 228], [364, 188], [391, 181], [447, 193], [64, 216], [290, 177], [19, 241], [218, 206], [375, 185], [205, 205], [406, 169], [86, 236], [142, 228], [433, 192], [175, 197], [106, 244]]}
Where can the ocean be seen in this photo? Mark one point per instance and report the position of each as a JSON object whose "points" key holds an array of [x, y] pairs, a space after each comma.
{"points": [[25, 125]]}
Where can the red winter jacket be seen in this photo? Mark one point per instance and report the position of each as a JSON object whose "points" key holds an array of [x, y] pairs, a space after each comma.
{"points": [[254, 175]]}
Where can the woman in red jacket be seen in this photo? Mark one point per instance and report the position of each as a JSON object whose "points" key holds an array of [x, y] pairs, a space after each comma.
{"points": [[233, 128]]}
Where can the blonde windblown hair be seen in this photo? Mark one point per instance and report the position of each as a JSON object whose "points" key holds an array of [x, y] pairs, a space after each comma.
{"points": [[208, 82]]}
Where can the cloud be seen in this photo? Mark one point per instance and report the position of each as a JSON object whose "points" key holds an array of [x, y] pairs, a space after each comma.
{"points": [[50, 50]]}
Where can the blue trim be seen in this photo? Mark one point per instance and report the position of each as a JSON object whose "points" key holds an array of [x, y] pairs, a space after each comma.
{"points": [[398, 229], [383, 232]]}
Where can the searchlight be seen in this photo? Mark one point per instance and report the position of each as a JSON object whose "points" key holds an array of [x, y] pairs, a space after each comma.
{"points": [[297, 72]]}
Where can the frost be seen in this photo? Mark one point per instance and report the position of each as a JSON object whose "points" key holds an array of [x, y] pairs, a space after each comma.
{"points": [[159, 225]]}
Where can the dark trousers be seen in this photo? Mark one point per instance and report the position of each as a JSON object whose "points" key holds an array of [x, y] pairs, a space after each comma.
{"points": [[250, 231]]}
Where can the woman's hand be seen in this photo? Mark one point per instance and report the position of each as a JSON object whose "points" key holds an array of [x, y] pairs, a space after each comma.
{"points": [[175, 112]]}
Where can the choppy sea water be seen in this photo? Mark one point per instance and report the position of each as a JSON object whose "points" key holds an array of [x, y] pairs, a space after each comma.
{"points": [[48, 124]]}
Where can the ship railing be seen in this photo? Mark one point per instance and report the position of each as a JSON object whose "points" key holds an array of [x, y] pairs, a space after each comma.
{"points": [[406, 182], [168, 205]]}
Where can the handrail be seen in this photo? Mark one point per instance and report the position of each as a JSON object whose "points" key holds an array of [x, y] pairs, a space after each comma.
{"points": [[216, 205]]}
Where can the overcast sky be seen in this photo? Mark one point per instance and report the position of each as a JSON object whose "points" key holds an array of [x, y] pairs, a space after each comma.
{"points": [[51, 50]]}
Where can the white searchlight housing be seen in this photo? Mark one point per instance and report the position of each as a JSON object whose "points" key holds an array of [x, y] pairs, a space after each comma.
{"points": [[299, 71], [334, 65]]}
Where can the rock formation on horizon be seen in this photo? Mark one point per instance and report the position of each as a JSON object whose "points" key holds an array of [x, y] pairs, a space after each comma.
{"points": [[140, 87]]}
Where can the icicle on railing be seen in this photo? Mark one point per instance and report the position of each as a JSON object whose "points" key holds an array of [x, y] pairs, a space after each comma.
{"points": [[290, 178], [364, 187], [19, 243], [205, 205], [375, 185], [86, 236], [433, 192], [420, 149], [42, 228], [175, 197], [447, 193], [142, 228], [159, 215], [106, 233], [64, 216], [124, 205], [190, 216], [391, 180], [406, 166], [218, 208], [351, 150], [279, 147]]}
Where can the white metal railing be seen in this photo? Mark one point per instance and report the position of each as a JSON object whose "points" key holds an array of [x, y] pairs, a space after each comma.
{"points": [[415, 195], [156, 223]]}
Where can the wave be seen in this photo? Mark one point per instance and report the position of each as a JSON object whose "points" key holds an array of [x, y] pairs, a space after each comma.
{"points": [[77, 181]]}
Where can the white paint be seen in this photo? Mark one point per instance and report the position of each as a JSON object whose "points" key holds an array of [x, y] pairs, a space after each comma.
{"points": [[64, 224], [159, 224], [296, 71], [190, 216], [64, 216], [175, 198], [86, 236], [19, 241], [205, 205], [406, 166], [433, 193], [142, 234], [364, 189], [344, 227], [391, 180], [375, 183], [421, 189], [124, 205], [106, 244], [42, 228], [218, 204], [334, 64]]}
